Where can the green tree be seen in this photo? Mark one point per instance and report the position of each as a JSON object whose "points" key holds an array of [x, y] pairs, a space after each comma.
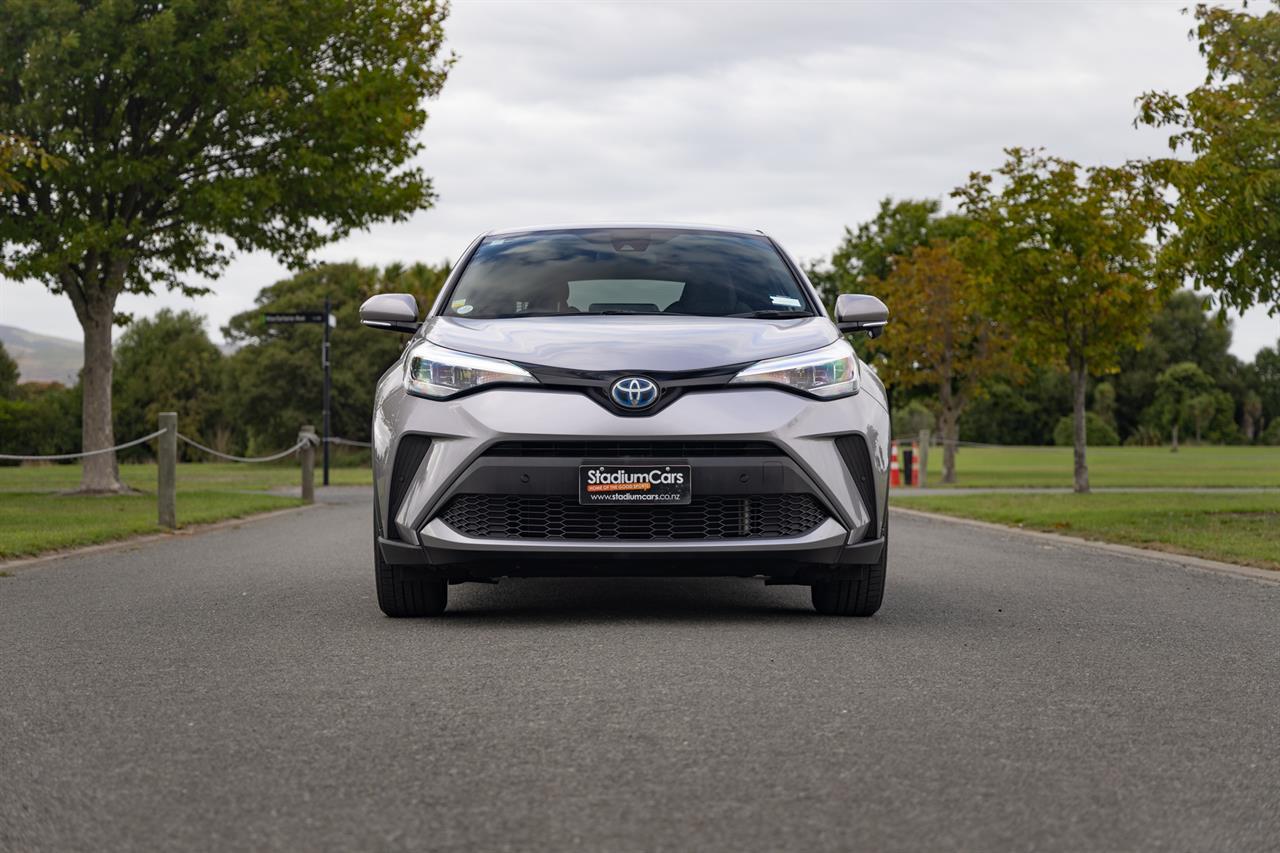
{"points": [[1066, 264], [1251, 420], [193, 128], [868, 252], [277, 382], [168, 364], [17, 155], [42, 419], [1023, 412], [1266, 372], [1175, 389], [1182, 330], [1201, 409], [942, 338], [1098, 432], [8, 375], [1104, 403], [912, 419], [1225, 224]]}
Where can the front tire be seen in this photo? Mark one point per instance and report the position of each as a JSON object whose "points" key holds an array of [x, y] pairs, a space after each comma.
{"points": [[407, 590], [856, 596]]}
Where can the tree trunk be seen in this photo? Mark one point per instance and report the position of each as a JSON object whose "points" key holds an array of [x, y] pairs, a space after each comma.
{"points": [[949, 424], [100, 473], [1079, 381], [1174, 449]]}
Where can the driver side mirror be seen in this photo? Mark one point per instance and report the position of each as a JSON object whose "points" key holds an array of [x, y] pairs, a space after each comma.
{"points": [[860, 312], [395, 312]]}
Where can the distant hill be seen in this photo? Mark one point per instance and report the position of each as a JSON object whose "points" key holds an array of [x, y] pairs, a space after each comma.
{"points": [[42, 358]]}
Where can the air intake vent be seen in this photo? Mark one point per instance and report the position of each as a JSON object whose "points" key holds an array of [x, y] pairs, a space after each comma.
{"points": [[409, 455], [857, 459]]}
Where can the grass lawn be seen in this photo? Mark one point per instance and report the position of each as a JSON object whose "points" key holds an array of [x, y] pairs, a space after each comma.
{"points": [[35, 517], [1236, 528], [1112, 466]]}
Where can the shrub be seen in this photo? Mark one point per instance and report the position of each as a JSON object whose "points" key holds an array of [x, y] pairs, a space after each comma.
{"points": [[1144, 436], [1271, 435], [912, 418], [1097, 432]]}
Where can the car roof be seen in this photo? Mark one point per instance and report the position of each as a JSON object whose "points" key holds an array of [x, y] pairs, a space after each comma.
{"points": [[579, 226]]}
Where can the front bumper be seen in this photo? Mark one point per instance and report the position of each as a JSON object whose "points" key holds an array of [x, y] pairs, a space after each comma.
{"points": [[460, 434]]}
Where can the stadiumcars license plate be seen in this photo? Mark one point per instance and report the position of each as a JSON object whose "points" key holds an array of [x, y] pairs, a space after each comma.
{"points": [[635, 485]]}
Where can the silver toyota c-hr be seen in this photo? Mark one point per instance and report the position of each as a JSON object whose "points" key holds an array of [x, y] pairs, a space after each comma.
{"points": [[623, 400]]}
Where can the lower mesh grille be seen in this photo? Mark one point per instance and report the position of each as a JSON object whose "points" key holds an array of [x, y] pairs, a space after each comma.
{"points": [[561, 517]]}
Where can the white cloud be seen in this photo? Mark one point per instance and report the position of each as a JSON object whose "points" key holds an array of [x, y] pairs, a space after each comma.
{"points": [[795, 117]]}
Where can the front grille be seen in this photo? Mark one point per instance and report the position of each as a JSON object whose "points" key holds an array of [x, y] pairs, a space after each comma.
{"points": [[561, 517], [635, 449]]}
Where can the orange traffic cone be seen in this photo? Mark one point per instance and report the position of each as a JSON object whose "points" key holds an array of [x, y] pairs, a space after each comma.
{"points": [[913, 476], [895, 476]]}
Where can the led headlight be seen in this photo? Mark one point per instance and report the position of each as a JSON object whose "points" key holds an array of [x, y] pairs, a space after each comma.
{"points": [[828, 372], [439, 373]]}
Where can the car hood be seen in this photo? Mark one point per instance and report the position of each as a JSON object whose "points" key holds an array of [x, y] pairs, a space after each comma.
{"points": [[613, 342]]}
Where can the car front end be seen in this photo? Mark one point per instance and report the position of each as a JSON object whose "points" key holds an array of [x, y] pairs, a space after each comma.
{"points": [[629, 437]]}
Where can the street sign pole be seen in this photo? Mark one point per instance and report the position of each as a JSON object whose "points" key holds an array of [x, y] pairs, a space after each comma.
{"points": [[327, 389], [289, 318]]}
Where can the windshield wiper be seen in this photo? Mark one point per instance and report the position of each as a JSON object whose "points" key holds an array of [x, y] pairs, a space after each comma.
{"points": [[771, 315]]}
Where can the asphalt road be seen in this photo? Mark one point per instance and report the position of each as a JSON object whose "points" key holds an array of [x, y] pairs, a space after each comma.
{"points": [[240, 690]]}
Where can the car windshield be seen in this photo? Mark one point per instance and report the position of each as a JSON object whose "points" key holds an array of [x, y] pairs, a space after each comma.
{"points": [[627, 271]]}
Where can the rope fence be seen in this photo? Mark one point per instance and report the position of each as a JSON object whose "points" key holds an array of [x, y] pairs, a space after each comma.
{"points": [[302, 442], [348, 442], [62, 457], [9, 457], [167, 460]]}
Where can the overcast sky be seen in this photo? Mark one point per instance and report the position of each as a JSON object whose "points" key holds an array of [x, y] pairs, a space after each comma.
{"points": [[792, 117]]}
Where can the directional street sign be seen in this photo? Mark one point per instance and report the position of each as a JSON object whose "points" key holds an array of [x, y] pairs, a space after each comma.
{"points": [[295, 317], [291, 317]]}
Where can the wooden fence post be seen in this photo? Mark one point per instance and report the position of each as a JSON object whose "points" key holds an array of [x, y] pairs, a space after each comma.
{"points": [[924, 459], [308, 456], [167, 473]]}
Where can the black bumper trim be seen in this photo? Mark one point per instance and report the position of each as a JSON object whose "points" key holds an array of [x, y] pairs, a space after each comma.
{"points": [[796, 566]]}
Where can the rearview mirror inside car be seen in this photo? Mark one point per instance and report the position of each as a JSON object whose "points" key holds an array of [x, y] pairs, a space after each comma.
{"points": [[860, 312], [396, 312]]}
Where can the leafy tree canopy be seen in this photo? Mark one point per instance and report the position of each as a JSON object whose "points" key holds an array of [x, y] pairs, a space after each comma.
{"points": [[1226, 220], [1266, 368], [168, 364], [189, 129], [1180, 331], [1064, 256], [278, 382], [278, 125], [17, 153], [8, 375], [942, 337], [869, 251]]}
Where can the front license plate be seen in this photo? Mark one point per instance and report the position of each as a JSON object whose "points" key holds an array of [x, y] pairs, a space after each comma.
{"points": [[635, 485]]}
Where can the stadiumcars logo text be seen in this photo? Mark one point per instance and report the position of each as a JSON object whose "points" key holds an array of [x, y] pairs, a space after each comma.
{"points": [[668, 484]]}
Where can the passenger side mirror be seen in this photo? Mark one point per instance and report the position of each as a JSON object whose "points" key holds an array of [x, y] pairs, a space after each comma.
{"points": [[860, 312], [395, 312]]}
